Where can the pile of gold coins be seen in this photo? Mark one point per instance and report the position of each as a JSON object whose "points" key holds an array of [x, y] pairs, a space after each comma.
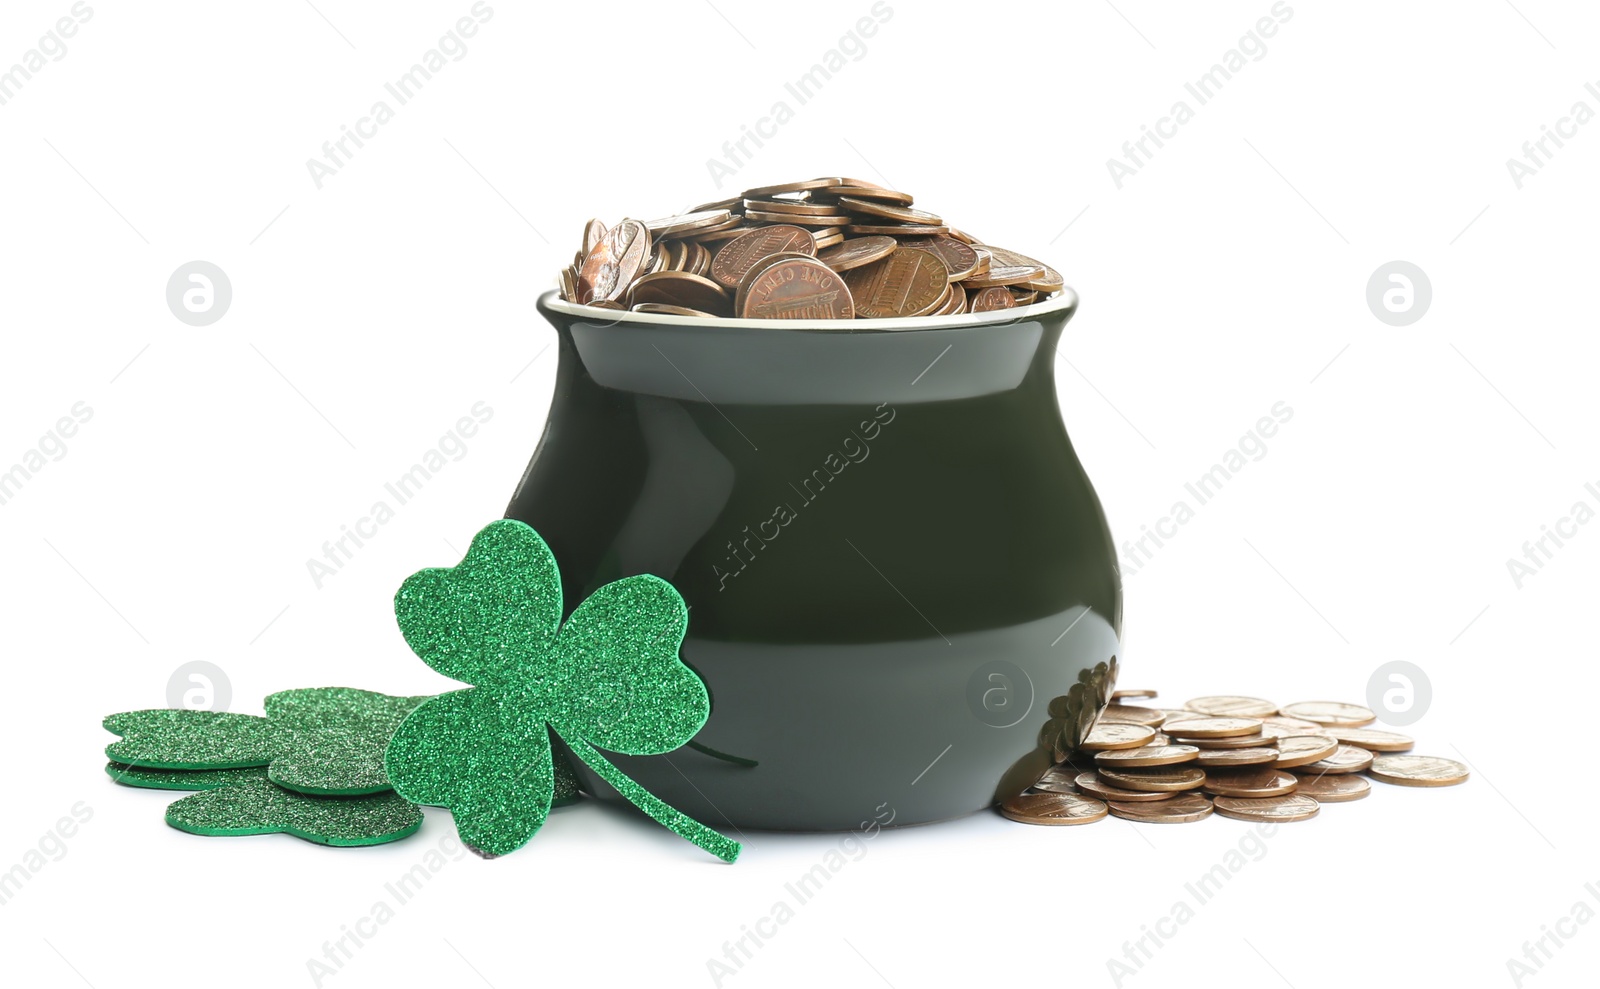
{"points": [[1239, 757], [827, 248]]}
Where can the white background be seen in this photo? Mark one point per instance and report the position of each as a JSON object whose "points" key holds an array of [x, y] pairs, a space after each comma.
{"points": [[1227, 275]]}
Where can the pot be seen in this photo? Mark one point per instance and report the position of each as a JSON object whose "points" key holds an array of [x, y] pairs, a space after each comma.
{"points": [[902, 591]]}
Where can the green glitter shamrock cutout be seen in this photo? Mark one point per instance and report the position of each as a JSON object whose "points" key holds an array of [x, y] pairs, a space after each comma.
{"points": [[317, 740], [609, 678]]}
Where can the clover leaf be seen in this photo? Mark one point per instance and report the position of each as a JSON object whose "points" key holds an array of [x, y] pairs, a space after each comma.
{"points": [[262, 807], [610, 678]]}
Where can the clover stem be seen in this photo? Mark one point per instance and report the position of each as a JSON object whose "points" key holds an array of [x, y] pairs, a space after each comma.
{"points": [[667, 816]]}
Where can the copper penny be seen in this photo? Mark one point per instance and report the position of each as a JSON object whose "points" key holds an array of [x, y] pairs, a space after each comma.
{"points": [[1091, 783], [1345, 759], [958, 257], [1333, 714], [1182, 809], [1147, 755], [797, 288], [611, 267], [1293, 807], [906, 283], [1053, 808], [1250, 782], [737, 256], [1233, 758], [679, 288], [990, 299], [1129, 714], [1334, 789], [889, 211], [592, 232], [1214, 728], [1159, 779], [1232, 706], [1302, 750], [897, 229]]}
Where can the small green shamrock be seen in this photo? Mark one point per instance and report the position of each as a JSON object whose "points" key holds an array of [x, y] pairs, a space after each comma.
{"points": [[610, 678], [262, 807], [321, 740]]}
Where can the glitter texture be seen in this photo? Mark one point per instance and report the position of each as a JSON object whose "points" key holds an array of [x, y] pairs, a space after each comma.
{"points": [[320, 740], [611, 677], [183, 739], [331, 739], [261, 807], [182, 779]]}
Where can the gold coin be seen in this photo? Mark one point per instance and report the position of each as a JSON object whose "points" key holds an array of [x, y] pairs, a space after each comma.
{"points": [[663, 309], [1103, 737], [1334, 789], [1418, 770], [1302, 750], [1156, 779], [958, 257], [1230, 758], [1373, 740], [1053, 808], [898, 229], [1333, 714], [1182, 809], [889, 211], [739, 255], [903, 284], [1132, 694], [990, 300], [1147, 755], [796, 288], [1091, 783], [1281, 810], [1253, 782], [857, 252], [679, 288], [592, 232], [1345, 759], [611, 267], [1214, 728], [1232, 706]]}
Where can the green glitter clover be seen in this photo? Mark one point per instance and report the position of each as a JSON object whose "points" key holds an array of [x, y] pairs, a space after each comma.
{"points": [[261, 807], [610, 678], [318, 740]]}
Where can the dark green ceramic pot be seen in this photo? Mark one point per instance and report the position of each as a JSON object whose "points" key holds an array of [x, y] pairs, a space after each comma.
{"points": [[902, 589]]}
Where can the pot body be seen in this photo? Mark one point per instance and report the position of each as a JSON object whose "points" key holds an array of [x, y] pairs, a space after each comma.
{"points": [[893, 560]]}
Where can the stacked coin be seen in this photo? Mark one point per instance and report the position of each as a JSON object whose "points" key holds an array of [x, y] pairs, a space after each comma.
{"points": [[1240, 757], [827, 248]]}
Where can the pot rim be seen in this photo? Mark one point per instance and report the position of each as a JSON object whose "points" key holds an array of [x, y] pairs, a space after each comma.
{"points": [[1066, 301]]}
